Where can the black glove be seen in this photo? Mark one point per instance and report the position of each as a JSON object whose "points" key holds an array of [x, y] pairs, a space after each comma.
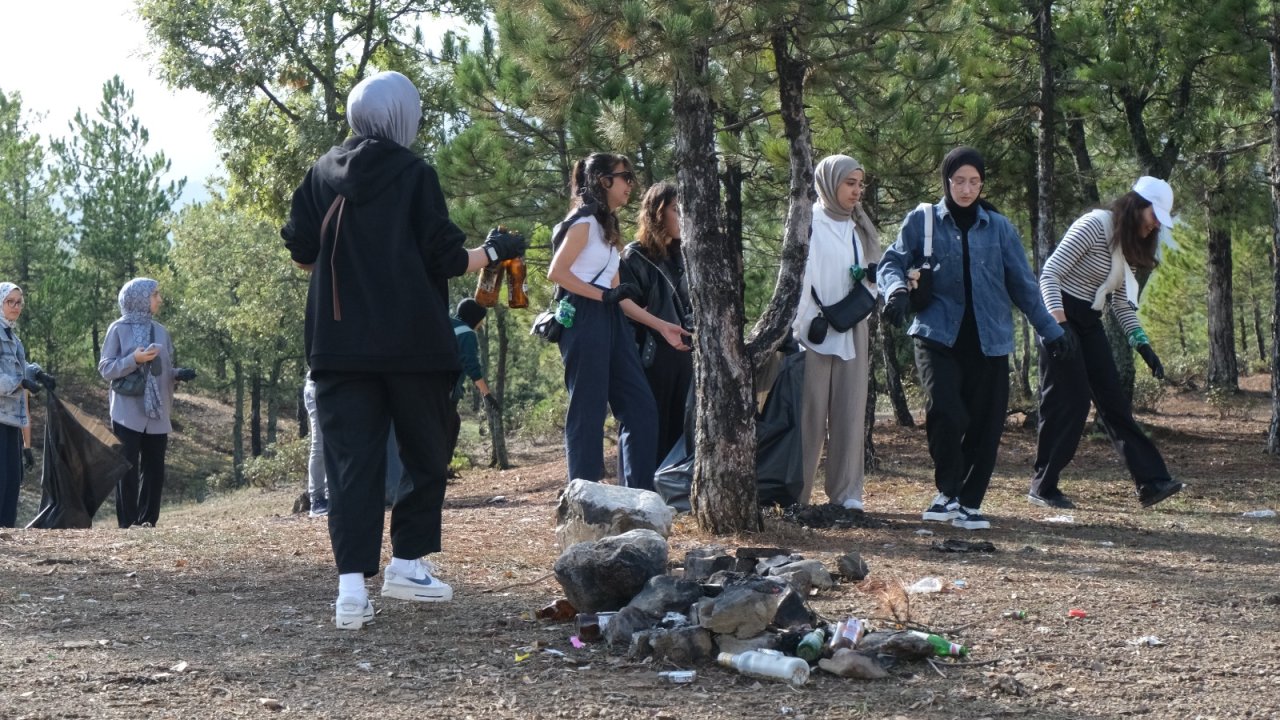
{"points": [[184, 374], [1065, 347], [492, 403], [28, 459], [1152, 360], [503, 244], [895, 308], [48, 381], [871, 273], [624, 291], [30, 386]]}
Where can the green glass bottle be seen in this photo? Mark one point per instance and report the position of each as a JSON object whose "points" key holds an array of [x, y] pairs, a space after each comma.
{"points": [[810, 647], [942, 647]]}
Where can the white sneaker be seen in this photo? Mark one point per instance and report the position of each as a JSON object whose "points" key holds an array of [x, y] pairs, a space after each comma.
{"points": [[352, 613], [418, 585], [942, 509], [852, 504]]}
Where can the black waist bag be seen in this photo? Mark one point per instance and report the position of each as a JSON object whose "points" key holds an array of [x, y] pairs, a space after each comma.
{"points": [[851, 310]]}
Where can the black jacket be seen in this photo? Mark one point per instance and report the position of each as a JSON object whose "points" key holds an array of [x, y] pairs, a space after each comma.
{"points": [[656, 292], [378, 300]]}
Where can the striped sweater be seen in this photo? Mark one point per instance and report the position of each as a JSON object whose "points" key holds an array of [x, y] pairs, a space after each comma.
{"points": [[1079, 266]]}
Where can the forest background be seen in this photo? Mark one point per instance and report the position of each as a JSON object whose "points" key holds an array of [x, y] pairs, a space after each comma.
{"points": [[1069, 102]]}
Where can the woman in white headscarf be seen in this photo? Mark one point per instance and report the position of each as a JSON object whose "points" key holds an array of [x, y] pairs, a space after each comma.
{"points": [[137, 343], [844, 248], [17, 377]]}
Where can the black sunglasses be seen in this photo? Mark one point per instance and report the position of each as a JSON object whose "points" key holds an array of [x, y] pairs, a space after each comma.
{"points": [[627, 175]]}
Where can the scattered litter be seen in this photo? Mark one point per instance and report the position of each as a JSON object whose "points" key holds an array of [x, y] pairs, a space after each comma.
{"points": [[1106, 543], [956, 545], [960, 584], [365, 666], [521, 657], [1014, 614], [558, 611], [925, 585], [1147, 640], [271, 703], [678, 677], [1259, 514], [1077, 613], [924, 532], [1063, 519], [576, 642], [181, 667], [497, 499]]}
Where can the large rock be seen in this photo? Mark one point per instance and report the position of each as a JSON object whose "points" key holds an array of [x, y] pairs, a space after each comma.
{"points": [[591, 511], [700, 563], [629, 621], [604, 575], [682, 646], [742, 610], [664, 594], [819, 576]]}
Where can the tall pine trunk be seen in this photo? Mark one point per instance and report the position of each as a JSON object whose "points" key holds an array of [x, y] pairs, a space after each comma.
{"points": [[237, 425], [723, 494], [255, 413], [1273, 432], [1223, 371]]}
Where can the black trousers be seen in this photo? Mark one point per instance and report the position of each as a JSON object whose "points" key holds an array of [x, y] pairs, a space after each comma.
{"points": [[1066, 388], [356, 411], [966, 397], [138, 490], [670, 378], [10, 473]]}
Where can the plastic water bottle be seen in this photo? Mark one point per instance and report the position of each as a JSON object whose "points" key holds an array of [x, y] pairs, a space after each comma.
{"points": [[942, 646], [565, 312], [810, 647], [768, 665]]}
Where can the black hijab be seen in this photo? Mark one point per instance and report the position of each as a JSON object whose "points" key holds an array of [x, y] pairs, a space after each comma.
{"points": [[964, 217]]}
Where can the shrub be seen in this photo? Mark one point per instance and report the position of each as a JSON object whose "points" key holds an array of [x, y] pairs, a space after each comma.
{"points": [[282, 463], [1147, 392]]}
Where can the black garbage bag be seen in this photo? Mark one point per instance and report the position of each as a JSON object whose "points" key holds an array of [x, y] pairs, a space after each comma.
{"points": [[81, 467], [779, 451], [779, 472]]}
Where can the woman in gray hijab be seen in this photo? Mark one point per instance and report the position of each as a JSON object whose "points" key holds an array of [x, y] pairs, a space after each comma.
{"points": [[369, 222], [136, 343], [844, 248], [17, 378]]}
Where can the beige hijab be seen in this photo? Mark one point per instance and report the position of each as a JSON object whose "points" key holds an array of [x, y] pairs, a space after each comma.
{"points": [[827, 176]]}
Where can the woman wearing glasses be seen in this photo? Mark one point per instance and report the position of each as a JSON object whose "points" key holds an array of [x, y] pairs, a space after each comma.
{"points": [[964, 329], [601, 366], [1096, 259], [653, 263], [17, 376], [844, 248]]}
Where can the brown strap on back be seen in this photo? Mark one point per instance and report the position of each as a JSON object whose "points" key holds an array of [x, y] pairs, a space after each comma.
{"points": [[338, 203]]}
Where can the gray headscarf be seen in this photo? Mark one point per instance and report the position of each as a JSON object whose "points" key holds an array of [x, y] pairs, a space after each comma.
{"points": [[135, 309], [827, 176], [386, 106], [6, 288]]}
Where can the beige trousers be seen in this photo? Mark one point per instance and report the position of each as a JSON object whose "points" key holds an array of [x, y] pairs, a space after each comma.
{"points": [[834, 410]]}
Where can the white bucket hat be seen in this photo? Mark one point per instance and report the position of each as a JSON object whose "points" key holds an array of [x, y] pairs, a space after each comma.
{"points": [[1160, 195]]}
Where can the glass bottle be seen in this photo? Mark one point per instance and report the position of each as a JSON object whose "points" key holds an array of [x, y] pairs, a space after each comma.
{"points": [[489, 285], [517, 292]]}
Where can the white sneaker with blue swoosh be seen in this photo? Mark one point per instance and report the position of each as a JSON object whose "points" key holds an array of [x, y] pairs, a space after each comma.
{"points": [[417, 584]]}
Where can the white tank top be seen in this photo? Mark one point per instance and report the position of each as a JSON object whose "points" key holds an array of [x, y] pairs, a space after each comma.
{"points": [[597, 255]]}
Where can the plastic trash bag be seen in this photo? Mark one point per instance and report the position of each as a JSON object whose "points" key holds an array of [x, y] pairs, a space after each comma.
{"points": [[81, 467]]}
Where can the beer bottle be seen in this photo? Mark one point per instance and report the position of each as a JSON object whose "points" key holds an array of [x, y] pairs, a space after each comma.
{"points": [[517, 293], [489, 285]]}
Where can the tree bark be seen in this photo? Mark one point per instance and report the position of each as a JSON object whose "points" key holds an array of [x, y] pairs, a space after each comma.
{"points": [[1224, 372], [255, 413], [1046, 137], [1273, 431], [1084, 163], [237, 425], [775, 322], [723, 493], [893, 376]]}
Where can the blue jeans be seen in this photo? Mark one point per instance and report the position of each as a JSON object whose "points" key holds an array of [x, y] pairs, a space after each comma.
{"points": [[317, 487], [602, 371]]}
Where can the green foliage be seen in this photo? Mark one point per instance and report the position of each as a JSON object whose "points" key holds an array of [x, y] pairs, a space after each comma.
{"points": [[283, 464]]}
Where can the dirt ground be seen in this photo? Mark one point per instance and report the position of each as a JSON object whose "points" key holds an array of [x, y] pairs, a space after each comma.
{"points": [[225, 609]]}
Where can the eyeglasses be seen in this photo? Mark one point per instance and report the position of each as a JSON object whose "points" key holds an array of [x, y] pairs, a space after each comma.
{"points": [[15, 303], [975, 183], [626, 175]]}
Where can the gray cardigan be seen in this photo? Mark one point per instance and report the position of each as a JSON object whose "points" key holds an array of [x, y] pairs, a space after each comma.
{"points": [[117, 361]]}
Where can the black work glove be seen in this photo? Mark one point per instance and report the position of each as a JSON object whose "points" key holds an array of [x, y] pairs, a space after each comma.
{"points": [[1152, 360], [871, 273], [184, 374], [28, 459], [895, 308], [491, 403], [31, 386], [624, 291], [1065, 347], [48, 381], [503, 244]]}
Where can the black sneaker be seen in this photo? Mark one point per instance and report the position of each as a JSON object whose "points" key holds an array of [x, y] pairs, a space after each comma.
{"points": [[1158, 491], [1056, 500], [970, 519], [942, 509]]}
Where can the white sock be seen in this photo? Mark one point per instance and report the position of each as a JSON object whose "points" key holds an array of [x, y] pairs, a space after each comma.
{"points": [[352, 585], [404, 567]]}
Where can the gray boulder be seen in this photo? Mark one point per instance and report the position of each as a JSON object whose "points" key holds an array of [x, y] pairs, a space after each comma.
{"points": [[819, 577], [682, 646], [664, 594], [592, 511], [700, 563], [742, 610], [606, 574], [629, 621]]}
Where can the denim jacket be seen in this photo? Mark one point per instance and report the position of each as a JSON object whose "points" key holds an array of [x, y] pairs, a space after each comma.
{"points": [[1000, 277], [13, 368]]}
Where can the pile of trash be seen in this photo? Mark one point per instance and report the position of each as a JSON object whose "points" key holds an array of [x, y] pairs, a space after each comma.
{"points": [[746, 609], [825, 516]]}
